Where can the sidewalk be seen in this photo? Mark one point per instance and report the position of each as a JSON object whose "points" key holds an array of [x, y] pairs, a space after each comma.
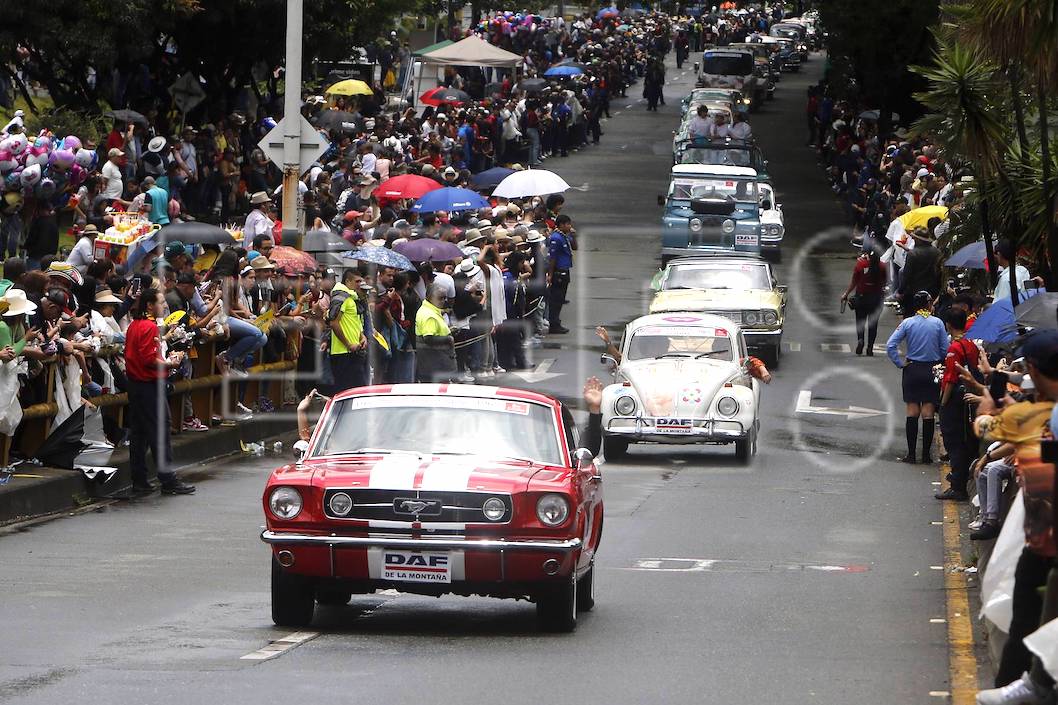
{"points": [[35, 491]]}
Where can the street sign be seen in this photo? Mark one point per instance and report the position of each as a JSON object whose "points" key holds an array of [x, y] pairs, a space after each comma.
{"points": [[313, 144], [186, 92]]}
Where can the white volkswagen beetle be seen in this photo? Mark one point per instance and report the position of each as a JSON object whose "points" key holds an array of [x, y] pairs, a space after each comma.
{"points": [[682, 378]]}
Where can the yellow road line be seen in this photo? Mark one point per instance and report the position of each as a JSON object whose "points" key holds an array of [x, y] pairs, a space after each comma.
{"points": [[962, 664]]}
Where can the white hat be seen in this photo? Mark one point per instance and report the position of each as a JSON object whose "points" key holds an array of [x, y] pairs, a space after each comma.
{"points": [[259, 198], [922, 172], [450, 171], [17, 303], [156, 145], [469, 267], [535, 237]]}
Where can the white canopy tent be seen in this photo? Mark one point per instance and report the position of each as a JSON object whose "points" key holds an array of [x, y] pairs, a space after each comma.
{"points": [[471, 51]]}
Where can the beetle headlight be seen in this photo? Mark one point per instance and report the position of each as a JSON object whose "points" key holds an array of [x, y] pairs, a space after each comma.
{"points": [[285, 502], [727, 406], [340, 504], [625, 405], [493, 509], [729, 226], [696, 225], [770, 317], [751, 318], [552, 509]]}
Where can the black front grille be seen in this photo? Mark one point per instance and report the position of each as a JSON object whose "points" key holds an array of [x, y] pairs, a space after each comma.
{"points": [[711, 232], [424, 506]]}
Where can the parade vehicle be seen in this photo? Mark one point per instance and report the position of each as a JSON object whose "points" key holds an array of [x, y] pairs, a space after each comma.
{"points": [[725, 151], [795, 32], [762, 57], [436, 489], [701, 96], [789, 57], [710, 208], [740, 288], [683, 378], [772, 221], [732, 68]]}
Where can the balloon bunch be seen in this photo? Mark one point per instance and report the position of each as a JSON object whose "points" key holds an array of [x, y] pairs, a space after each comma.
{"points": [[45, 169]]}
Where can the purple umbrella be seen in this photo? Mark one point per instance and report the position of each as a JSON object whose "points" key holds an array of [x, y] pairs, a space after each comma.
{"points": [[429, 250]]}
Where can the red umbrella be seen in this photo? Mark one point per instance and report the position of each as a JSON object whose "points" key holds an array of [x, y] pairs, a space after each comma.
{"points": [[406, 186], [284, 257], [441, 95]]}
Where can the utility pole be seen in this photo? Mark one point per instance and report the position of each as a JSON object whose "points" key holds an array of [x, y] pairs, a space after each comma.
{"points": [[292, 125]]}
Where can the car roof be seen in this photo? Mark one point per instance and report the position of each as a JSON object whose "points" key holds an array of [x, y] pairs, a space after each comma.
{"points": [[712, 170], [684, 318], [460, 390]]}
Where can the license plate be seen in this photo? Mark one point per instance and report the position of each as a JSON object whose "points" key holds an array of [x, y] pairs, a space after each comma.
{"points": [[747, 239], [674, 426], [416, 566]]}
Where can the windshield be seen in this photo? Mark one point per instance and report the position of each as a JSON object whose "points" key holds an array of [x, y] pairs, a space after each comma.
{"points": [[496, 428], [704, 155], [728, 64], [651, 342], [714, 189], [715, 275]]}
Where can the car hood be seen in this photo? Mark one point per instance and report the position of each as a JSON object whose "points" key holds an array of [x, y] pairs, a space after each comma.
{"points": [[714, 300], [407, 471], [680, 387]]}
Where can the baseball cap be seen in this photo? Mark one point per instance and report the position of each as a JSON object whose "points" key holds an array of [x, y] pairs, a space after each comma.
{"points": [[174, 248], [922, 172], [115, 152]]}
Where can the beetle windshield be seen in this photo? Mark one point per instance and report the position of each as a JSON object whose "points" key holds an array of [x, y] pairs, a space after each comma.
{"points": [[651, 342], [715, 275], [491, 427]]}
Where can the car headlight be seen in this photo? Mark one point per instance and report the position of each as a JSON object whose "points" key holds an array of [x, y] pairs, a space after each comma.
{"points": [[751, 318], [727, 406], [340, 504], [728, 227], [552, 509], [770, 318], [696, 225], [285, 502], [493, 509], [625, 405], [774, 230]]}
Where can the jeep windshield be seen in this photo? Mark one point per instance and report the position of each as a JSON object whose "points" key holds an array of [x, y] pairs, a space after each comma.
{"points": [[712, 155], [440, 424], [716, 275], [714, 188], [727, 64]]}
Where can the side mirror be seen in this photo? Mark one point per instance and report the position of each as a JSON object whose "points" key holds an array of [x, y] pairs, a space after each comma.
{"points": [[655, 282], [661, 200], [583, 458], [782, 289], [607, 359], [300, 449], [696, 67]]}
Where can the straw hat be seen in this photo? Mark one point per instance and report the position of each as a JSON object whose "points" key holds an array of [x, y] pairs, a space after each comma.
{"points": [[259, 198], [469, 267], [106, 296], [261, 263], [17, 303]]}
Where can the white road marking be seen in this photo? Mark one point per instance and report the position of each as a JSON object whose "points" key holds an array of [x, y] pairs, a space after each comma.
{"points": [[939, 693], [278, 647], [879, 349], [703, 565], [938, 620], [792, 347], [804, 406], [835, 347]]}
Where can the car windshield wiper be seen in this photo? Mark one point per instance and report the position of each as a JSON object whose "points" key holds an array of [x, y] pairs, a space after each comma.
{"points": [[363, 451], [495, 457], [711, 352], [680, 286], [672, 354]]}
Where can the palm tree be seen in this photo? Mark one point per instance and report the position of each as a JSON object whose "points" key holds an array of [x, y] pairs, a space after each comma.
{"points": [[962, 116]]}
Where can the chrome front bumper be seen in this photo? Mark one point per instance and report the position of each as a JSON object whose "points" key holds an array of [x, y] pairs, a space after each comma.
{"points": [[704, 431], [444, 543]]}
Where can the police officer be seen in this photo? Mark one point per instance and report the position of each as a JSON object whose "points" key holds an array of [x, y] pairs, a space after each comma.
{"points": [[926, 344]]}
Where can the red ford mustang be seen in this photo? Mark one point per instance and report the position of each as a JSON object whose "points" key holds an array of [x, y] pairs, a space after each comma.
{"points": [[437, 489]]}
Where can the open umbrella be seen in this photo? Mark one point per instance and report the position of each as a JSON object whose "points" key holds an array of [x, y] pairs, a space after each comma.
{"points": [[350, 86], [490, 178], [337, 119], [564, 70], [1039, 311], [531, 182], [429, 250], [195, 233], [284, 256], [971, 256], [996, 324], [532, 86], [920, 216], [406, 186], [872, 115], [607, 12], [382, 256], [127, 116], [323, 241], [450, 199], [441, 95]]}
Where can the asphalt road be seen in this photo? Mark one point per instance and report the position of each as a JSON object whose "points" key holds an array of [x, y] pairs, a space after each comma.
{"points": [[804, 577]]}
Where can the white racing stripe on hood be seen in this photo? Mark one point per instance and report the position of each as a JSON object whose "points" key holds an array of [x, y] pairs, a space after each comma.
{"points": [[449, 474], [394, 472]]}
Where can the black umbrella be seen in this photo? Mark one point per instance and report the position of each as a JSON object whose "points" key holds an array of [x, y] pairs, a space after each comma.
{"points": [[196, 233], [323, 241], [125, 115], [1038, 311], [533, 86], [337, 120]]}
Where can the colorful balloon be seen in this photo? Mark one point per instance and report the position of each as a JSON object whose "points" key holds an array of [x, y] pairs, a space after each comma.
{"points": [[72, 143], [62, 158], [85, 158], [31, 175], [7, 161]]}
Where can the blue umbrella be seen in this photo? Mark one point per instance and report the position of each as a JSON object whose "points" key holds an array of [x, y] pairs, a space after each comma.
{"points": [[489, 179], [996, 324], [450, 199], [563, 71], [607, 12], [382, 256], [971, 256]]}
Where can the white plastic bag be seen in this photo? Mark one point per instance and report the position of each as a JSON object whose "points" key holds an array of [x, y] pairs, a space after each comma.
{"points": [[67, 391], [1044, 643], [997, 586], [11, 413]]}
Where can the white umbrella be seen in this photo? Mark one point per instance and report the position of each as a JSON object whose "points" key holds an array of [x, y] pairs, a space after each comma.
{"points": [[531, 182]]}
